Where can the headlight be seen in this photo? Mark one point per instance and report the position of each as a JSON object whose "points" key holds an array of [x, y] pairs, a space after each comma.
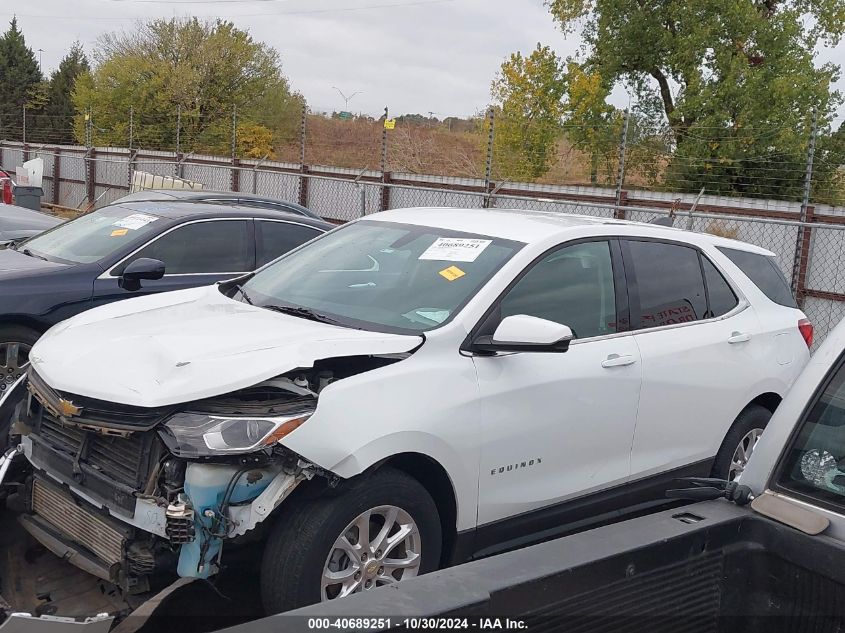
{"points": [[207, 434]]}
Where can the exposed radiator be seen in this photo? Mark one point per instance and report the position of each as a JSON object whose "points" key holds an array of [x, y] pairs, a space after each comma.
{"points": [[76, 523]]}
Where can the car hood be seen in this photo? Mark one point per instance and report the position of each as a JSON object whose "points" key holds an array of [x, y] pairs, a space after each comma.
{"points": [[177, 347], [12, 263]]}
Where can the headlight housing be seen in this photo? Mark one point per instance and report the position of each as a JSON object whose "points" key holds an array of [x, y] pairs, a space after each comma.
{"points": [[191, 434]]}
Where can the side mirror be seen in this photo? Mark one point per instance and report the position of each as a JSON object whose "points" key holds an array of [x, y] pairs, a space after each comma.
{"points": [[523, 333], [143, 268]]}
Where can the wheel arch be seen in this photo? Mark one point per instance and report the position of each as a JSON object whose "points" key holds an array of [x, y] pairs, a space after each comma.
{"points": [[769, 400], [19, 320], [434, 478]]}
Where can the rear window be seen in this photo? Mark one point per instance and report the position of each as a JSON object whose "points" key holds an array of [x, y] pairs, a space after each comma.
{"points": [[764, 272]]}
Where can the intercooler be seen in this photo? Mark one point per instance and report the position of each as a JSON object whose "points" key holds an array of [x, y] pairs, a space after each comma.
{"points": [[75, 523]]}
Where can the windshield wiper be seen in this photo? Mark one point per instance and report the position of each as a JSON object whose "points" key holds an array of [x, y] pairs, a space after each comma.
{"points": [[28, 252], [244, 295], [305, 313]]}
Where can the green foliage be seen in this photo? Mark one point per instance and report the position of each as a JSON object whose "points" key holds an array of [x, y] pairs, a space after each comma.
{"points": [[734, 79], [51, 103], [528, 93], [592, 124], [60, 108], [204, 69], [20, 81]]}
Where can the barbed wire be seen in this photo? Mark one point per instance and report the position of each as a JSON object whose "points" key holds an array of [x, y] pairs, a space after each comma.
{"points": [[744, 162]]}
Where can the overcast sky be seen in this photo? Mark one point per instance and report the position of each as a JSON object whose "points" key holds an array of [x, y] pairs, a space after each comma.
{"points": [[415, 56]]}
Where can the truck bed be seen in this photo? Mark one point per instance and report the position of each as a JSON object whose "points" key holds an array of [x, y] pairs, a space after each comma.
{"points": [[708, 567]]}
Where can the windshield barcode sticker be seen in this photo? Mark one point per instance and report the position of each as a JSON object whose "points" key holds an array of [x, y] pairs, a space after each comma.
{"points": [[455, 249], [135, 221]]}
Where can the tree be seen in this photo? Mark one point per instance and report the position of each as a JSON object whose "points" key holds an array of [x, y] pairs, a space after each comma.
{"points": [[734, 79], [591, 124], [59, 109], [20, 80], [203, 69], [528, 93]]}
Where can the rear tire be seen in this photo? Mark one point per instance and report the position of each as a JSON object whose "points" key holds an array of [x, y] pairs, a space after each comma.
{"points": [[319, 538], [740, 441]]}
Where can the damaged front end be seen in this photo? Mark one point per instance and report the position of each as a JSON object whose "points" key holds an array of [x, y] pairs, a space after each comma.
{"points": [[137, 496]]}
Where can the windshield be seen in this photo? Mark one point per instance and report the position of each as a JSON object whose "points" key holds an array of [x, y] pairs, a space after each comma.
{"points": [[91, 237], [382, 276]]}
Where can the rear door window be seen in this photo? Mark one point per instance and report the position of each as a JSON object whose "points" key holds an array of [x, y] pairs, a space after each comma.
{"points": [[764, 272], [669, 281], [277, 238]]}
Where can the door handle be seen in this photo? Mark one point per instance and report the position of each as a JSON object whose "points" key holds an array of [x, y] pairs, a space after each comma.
{"points": [[615, 360], [739, 337]]}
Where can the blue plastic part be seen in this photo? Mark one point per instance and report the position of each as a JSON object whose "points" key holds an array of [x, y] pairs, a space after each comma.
{"points": [[205, 485]]}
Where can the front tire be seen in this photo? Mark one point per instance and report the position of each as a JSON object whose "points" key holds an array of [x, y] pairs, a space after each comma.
{"points": [[381, 530], [16, 341], [740, 441]]}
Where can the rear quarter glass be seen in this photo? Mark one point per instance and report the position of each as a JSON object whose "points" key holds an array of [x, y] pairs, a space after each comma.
{"points": [[764, 272]]}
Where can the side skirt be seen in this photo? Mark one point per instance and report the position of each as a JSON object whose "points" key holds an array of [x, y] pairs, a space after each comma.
{"points": [[575, 515]]}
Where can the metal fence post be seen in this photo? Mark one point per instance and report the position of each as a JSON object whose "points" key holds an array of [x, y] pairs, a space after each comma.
{"points": [[303, 169], [618, 213], [384, 204], [802, 245], [91, 185], [384, 140], [488, 167], [57, 173], [133, 157], [131, 127], [90, 167], [24, 125], [177, 165], [235, 173]]}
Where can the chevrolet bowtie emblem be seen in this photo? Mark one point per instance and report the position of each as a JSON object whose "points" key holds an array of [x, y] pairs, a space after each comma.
{"points": [[67, 409]]}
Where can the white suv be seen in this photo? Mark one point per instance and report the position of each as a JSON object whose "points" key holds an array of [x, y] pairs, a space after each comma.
{"points": [[416, 388]]}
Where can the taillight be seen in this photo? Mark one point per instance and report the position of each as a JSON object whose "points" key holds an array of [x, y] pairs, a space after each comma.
{"points": [[806, 329]]}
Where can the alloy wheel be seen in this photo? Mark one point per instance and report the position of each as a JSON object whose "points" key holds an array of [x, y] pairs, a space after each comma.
{"points": [[743, 453], [14, 358], [379, 547]]}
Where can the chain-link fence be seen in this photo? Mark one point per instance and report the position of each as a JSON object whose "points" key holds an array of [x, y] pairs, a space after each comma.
{"points": [[612, 152], [809, 252]]}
